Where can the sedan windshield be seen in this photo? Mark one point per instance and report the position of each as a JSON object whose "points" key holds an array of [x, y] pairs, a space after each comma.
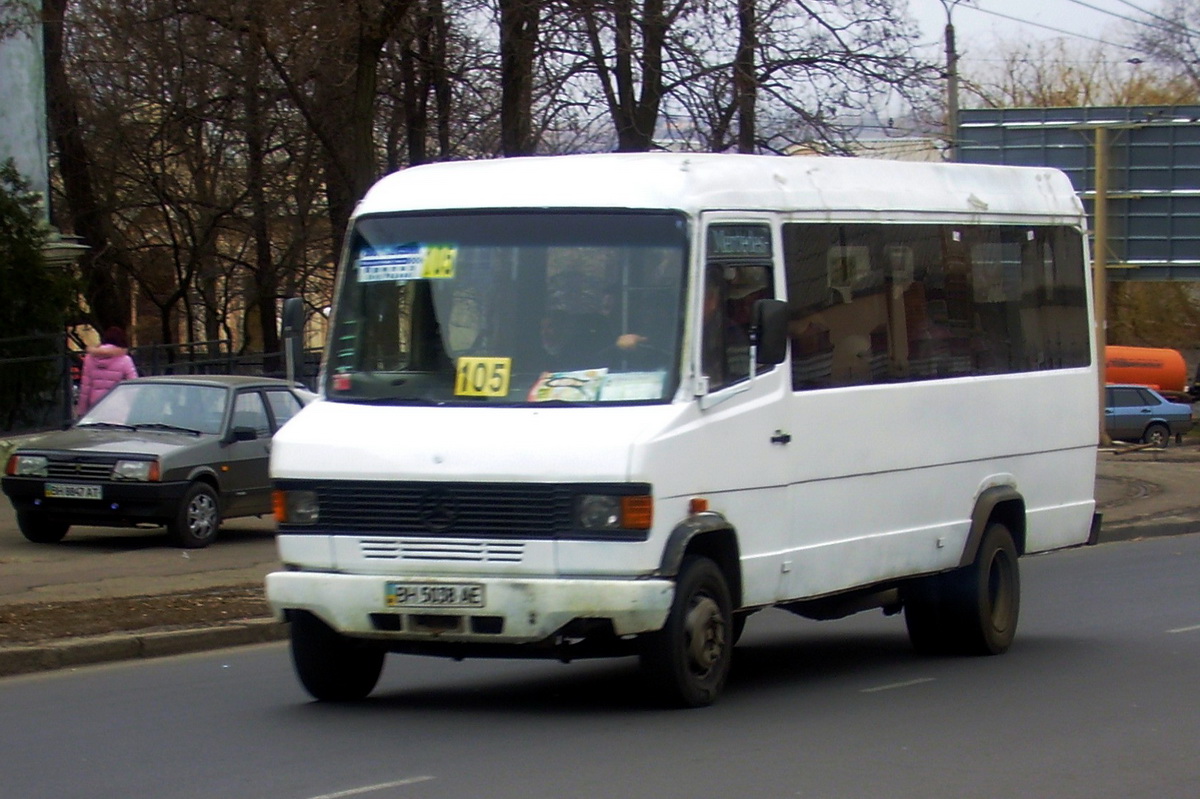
{"points": [[510, 308], [162, 406]]}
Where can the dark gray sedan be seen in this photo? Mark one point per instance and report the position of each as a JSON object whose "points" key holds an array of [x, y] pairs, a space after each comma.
{"points": [[185, 452]]}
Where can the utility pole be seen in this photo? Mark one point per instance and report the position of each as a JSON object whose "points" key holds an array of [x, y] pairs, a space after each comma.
{"points": [[951, 83], [1100, 266]]}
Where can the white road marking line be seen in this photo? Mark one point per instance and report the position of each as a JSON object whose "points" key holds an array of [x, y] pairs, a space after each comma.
{"points": [[371, 788], [1191, 629], [895, 685]]}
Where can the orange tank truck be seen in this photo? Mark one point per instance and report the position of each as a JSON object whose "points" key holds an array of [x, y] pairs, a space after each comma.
{"points": [[1159, 368]]}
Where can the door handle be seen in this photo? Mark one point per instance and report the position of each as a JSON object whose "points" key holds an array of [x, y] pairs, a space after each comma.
{"points": [[780, 437]]}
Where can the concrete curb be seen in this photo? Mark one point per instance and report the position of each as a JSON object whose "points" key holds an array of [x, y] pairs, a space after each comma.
{"points": [[125, 646]]}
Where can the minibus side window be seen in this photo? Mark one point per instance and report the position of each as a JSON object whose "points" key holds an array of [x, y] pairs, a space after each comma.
{"points": [[874, 303]]}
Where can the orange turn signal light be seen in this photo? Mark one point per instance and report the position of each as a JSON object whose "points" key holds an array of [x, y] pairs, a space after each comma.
{"points": [[279, 505], [637, 512]]}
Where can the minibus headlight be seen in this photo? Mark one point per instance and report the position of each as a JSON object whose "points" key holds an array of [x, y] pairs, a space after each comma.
{"points": [[615, 511], [296, 507], [144, 471], [28, 466]]}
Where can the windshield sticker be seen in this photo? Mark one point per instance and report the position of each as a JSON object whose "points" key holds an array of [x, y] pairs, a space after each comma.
{"points": [[406, 262], [482, 377], [579, 386], [628, 386]]}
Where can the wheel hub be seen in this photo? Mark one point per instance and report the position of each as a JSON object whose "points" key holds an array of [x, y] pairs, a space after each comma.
{"points": [[706, 634]]}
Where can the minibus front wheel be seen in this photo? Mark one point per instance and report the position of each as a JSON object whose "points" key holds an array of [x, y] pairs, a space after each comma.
{"points": [[332, 667], [688, 659]]}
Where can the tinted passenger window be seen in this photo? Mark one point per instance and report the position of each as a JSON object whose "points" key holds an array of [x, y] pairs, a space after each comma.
{"points": [[284, 406], [250, 412], [873, 303], [1129, 398]]}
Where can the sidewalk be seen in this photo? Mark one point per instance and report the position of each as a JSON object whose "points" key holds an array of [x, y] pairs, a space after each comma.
{"points": [[1148, 492], [1139, 492]]}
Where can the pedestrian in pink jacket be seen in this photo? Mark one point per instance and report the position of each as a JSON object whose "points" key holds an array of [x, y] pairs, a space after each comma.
{"points": [[103, 368]]}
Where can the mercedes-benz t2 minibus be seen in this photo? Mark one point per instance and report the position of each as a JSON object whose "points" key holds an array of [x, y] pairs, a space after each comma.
{"points": [[615, 404]]}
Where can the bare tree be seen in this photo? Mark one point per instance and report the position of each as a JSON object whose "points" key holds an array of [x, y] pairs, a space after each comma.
{"points": [[519, 21], [626, 45], [212, 151], [104, 268], [1172, 37], [777, 75], [1058, 73]]}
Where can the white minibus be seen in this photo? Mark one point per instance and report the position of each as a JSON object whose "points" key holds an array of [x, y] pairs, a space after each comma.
{"points": [[614, 404]]}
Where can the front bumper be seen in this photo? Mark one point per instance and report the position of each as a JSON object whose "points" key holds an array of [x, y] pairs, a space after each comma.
{"points": [[120, 503], [516, 610]]}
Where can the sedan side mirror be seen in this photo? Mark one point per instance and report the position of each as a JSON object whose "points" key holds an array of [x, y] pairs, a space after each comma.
{"points": [[241, 434]]}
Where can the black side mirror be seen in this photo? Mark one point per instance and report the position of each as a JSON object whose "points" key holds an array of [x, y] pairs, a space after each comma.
{"points": [[769, 331], [241, 434]]}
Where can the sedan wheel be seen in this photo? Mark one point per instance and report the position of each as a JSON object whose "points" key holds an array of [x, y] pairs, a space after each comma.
{"points": [[196, 522], [41, 529], [1157, 435]]}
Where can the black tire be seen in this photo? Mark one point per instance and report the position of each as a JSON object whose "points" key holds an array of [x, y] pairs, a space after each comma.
{"points": [[40, 528], [332, 667], [688, 660], [969, 611], [197, 519], [1157, 435]]}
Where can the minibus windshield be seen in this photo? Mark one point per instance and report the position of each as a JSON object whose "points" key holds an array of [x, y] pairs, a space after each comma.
{"points": [[511, 308]]}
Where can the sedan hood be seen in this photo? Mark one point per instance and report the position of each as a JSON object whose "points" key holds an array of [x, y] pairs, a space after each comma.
{"points": [[113, 441]]}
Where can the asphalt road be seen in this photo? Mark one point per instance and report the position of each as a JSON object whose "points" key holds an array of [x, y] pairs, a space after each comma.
{"points": [[1096, 699]]}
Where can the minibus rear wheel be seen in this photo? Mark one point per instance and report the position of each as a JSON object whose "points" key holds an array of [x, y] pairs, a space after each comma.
{"points": [[332, 667], [972, 610], [688, 659]]}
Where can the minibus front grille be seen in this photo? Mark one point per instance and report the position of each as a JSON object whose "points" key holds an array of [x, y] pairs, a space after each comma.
{"points": [[528, 511], [440, 550]]}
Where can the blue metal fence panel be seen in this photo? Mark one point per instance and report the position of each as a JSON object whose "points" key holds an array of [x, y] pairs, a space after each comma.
{"points": [[1154, 173]]}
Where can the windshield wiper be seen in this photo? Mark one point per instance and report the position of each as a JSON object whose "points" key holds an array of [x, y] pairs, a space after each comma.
{"points": [[164, 426], [107, 424]]}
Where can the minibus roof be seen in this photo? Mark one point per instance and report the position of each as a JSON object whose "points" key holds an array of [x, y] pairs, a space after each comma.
{"points": [[703, 181]]}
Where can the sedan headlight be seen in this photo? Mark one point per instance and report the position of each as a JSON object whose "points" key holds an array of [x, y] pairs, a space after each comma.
{"points": [[28, 466], [614, 511], [142, 471]]}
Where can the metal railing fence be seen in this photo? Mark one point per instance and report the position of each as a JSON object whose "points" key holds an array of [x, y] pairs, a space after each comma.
{"points": [[39, 374]]}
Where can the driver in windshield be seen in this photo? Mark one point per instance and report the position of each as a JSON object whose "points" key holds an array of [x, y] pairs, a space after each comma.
{"points": [[560, 344]]}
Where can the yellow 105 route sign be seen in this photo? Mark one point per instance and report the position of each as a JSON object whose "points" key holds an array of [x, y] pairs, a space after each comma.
{"points": [[482, 377]]}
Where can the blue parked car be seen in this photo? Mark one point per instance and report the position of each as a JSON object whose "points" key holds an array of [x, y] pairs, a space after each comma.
{"points": [[1138, 413]]}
